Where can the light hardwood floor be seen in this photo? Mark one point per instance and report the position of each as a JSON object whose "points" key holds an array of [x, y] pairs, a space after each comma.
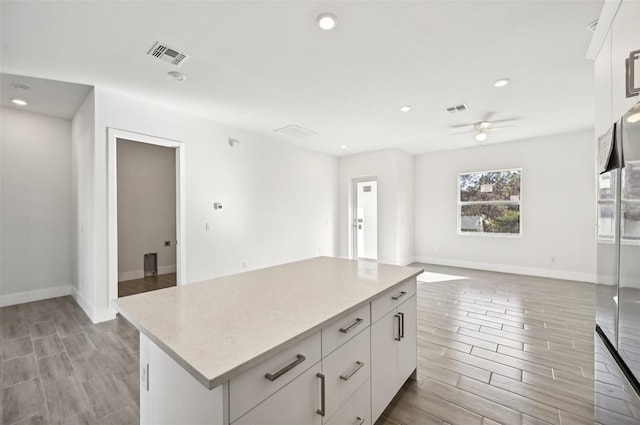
{"points": [[146, 284], [492, 348], [500, 348]]}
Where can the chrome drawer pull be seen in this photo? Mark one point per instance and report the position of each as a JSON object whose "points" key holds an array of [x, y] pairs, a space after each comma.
{"points": [[353, 325], [360, 420], [352, 371], [321, 410], [399, 337], [400, 295], [299, 359]]}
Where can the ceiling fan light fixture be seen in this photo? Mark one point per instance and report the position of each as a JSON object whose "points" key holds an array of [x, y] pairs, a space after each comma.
{"points": [[327, 21], [481, 136], [501, 82], [405, 108]]}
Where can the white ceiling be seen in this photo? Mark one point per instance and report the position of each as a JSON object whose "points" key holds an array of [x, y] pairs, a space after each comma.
{"points": [[261, 65]]}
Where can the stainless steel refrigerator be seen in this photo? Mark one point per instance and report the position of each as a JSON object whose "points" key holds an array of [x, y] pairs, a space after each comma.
{"points": [[617, 339]]}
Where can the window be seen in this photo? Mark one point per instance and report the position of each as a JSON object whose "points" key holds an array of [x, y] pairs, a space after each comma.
{"points": [[489, 203]]}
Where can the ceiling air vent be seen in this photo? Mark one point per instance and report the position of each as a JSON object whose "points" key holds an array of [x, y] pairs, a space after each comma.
{"points": [[167, 54], [458, 108], [295, 131]]}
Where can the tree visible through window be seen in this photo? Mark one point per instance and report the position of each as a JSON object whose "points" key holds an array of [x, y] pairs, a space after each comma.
{"points": [[489, 202]]}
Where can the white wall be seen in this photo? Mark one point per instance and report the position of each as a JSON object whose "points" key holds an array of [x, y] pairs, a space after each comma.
{"points": [[279, 201], [146, 207], [83, 234], [394, 171], [558, 208], [36, 209]]}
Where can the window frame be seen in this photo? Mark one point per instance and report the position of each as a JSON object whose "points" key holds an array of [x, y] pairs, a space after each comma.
{"points": [[460, 204]]}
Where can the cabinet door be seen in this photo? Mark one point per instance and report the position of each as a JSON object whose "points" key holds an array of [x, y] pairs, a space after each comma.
{"points": [[625, 37], [407, 348], [294, 404], [346, 369], [195, 404], [356, 411], [384, 357]]}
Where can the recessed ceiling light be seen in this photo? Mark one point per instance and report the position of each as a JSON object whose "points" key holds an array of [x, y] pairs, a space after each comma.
{"points": [[343, 146], [19, 102], [327, 21], [178, 76], [481, 136], [405, 108], [501, 82]]}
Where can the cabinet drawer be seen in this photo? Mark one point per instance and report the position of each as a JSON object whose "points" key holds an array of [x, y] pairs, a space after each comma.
{"points": [[252, 386], [392, 298], [346, 369], [295, 404], [356, 410], [345, 328]]}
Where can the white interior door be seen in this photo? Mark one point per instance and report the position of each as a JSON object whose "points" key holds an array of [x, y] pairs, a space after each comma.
{"points": [[366, 219]]}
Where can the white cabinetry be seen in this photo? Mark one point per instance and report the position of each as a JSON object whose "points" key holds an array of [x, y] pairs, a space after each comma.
{"points": [[316, 395], [625, 38], [330, 377], [296, 403], [622, 37], [393, 346]]}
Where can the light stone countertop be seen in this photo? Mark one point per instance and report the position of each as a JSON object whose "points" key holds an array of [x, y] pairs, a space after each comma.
{"points": [[218, 328]]}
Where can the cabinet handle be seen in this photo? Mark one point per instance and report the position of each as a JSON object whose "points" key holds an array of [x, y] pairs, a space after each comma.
{"points": [[397, 338], [629, 63], [351, 326], [352, 371], [272, 377], [360, 420], [400, 295], [401, 325], [321, 411]]}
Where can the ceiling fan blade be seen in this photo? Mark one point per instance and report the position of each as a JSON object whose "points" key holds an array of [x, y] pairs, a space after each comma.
{"points": [[462, 132], [506, 120], [500, 127], [462, 125]]}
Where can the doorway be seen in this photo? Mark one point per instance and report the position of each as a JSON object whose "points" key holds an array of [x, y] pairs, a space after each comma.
{"points": [[146, 213], [365, 219], [146, 176]]}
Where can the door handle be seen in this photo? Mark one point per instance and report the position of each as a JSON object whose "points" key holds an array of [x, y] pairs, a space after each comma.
{"points": [[352, 372], [321, 410], [272, 377], [630, 68], [399, 337], [401, 325]]}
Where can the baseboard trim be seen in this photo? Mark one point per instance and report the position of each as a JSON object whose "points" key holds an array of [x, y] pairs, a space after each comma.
{"points": [[35, 295], [139, 274], [96, 315], [503, 268]]}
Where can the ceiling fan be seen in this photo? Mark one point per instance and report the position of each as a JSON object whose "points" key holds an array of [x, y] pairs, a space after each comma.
{"points": [[481, 128]]}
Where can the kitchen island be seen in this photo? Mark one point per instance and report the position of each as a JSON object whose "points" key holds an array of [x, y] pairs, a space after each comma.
{"points": [[319, 341]]}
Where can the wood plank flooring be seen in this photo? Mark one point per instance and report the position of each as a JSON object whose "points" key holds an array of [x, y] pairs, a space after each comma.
{"points": [[146, 284], [492, 348], [56, 367], [500, 348]]}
